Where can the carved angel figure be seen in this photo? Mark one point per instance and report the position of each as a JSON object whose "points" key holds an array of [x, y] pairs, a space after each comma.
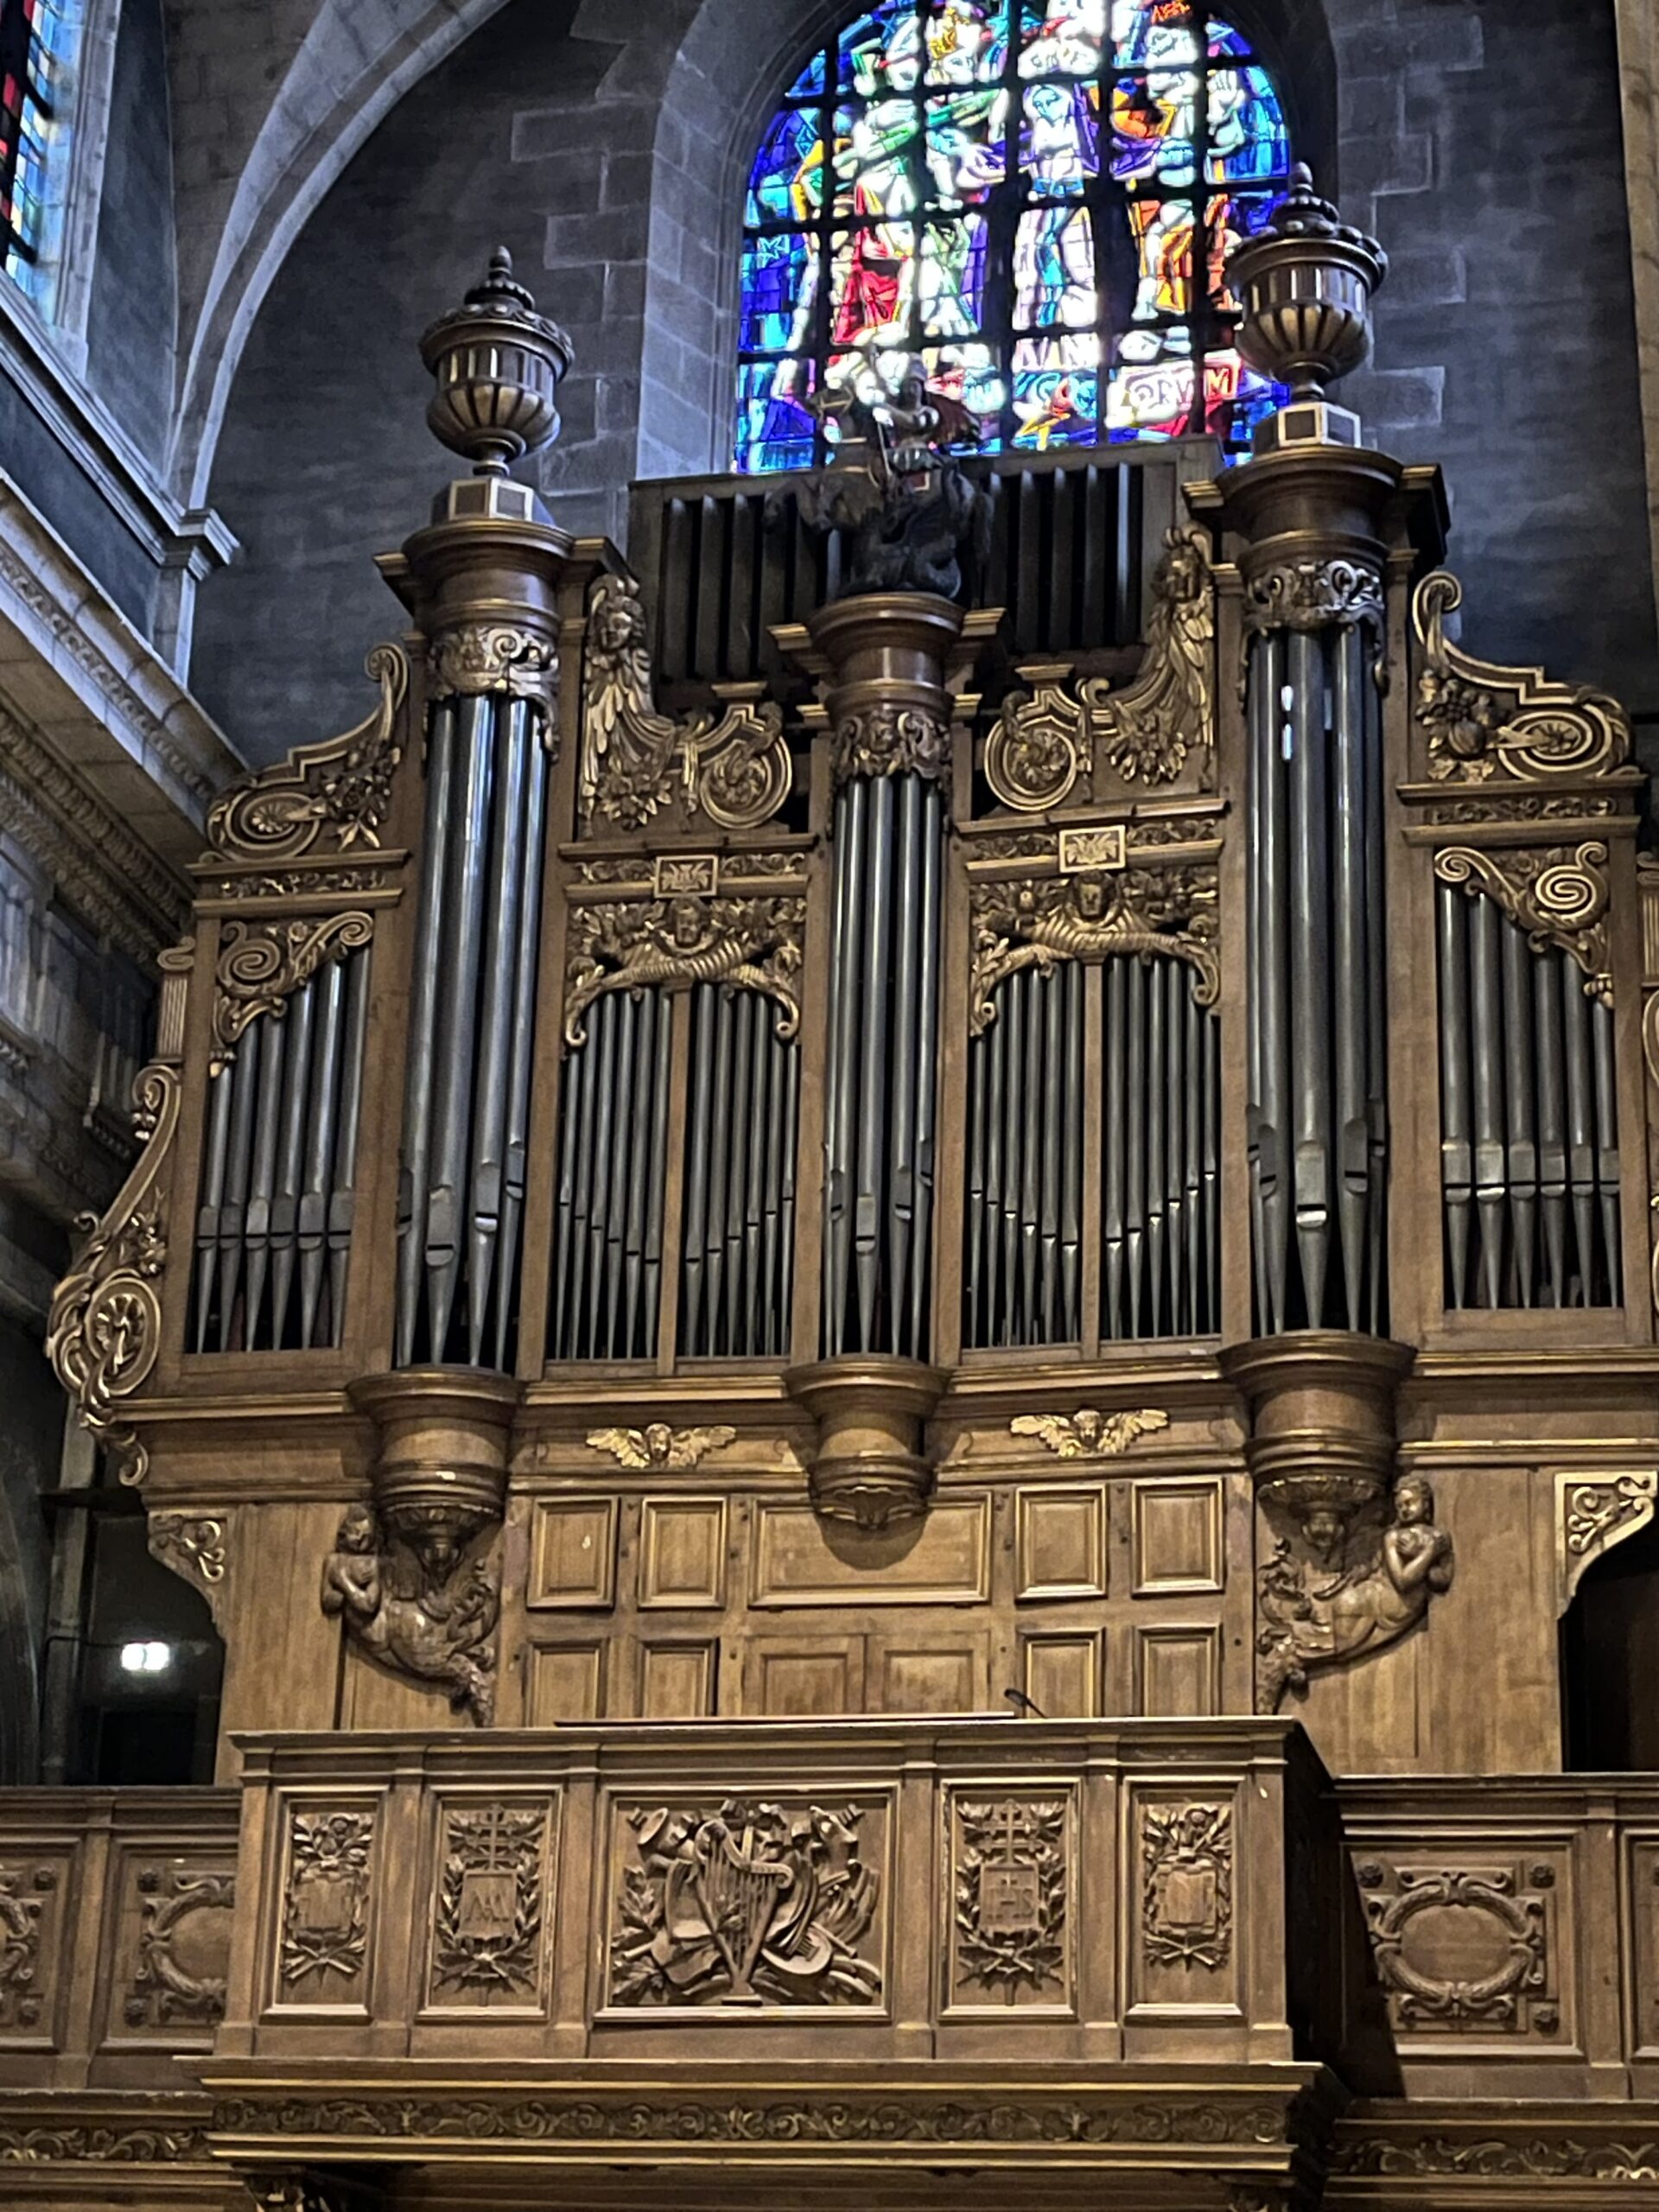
{"points": [[441, 1634], [1314, 1617], [657, 1445], [1150, 726], [1087, 1433]]}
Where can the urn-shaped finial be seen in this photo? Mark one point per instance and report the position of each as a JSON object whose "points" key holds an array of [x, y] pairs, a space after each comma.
{"points": [[1305, 284], [498, 364]]}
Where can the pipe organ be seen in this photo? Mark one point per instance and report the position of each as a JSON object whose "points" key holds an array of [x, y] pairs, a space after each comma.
{"points": [[913, 1160]]}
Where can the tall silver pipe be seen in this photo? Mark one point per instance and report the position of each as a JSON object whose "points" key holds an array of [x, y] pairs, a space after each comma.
{"points": [[994, 1039], [580, 1073], [1310, 966], [290, 1155], [458, 949], [604, 1123], [1377, 944], [873, 1000], [342, 1193], [974, 1280], [1134, 1216], [840, 1117], [772, 1227], [504, 893], [262, 1179], [699, 1122], [1192, 1016], [1606, 1086], [1580, 1121], [320, 1125], [906, 1038], [1211, 1032], [1174, 980], [1260, 713], [652, 1271], [526, 726], [430, 925], [1014, 1147], [1457, 1155], [1053, 1006], [740, 1133], [1071, 1159], [1350, 963], [1486, 1016], [616, 1205], [1118, 1115], [1521, 1128], [932, 836], [1551, 1123], [1271, 965], [785, 1276], [714, 1243], [232, 1219], [222, 1090], [639, 1169], [755, 1197], [564, 1201], [1157, 1162], [1032, 1166]]}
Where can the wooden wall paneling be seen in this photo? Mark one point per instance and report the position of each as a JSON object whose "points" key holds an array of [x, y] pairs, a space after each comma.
{"points": [[942, 1559], [802, 1676], [1060, 1541], [566, 1680], [1187, 1865], [284, 1656], [572, 1553], [679, 1679], [936, 1671], [55, 1877], [1177, 1671], [1179, 1539], [1638, 1876], [1060, 1671], [682, 1552]]}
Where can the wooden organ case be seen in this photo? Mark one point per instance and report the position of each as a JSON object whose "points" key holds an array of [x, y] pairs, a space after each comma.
{"points": [[843, 1266]]}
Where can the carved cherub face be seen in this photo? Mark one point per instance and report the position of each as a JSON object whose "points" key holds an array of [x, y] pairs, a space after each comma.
{"points": [[1324, 1531], [658, 1438], [619, 623], [685, 924], [1413, 1502], [1090, 1425], [358, 1532], [1088, 896]]}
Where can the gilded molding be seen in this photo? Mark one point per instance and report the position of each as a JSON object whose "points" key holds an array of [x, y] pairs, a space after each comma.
{"points": [[751, 944], [1479, 717], [338, 791], [1558, 897], [105, 1329], [262, 963], [1592, 1513], [657, 1445], [890, 737], [735, 768], [1090, 919], [1087, 1433], [1312, 593], [478, 660]]}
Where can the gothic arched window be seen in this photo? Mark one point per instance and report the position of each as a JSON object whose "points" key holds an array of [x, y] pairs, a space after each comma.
{"points": [[1042, 213], [37, 42]]}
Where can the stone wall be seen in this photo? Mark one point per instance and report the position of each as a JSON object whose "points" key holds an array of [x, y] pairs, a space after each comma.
{"points": [[133, 317]]}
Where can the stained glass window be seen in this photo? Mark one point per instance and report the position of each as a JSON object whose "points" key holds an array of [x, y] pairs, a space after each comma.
{"points": [[1036, 196], [37, 42]]}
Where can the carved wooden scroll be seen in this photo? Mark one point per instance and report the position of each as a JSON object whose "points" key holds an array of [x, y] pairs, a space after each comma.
{"points": [[1592, 1513], [335, 796], [1480, 719], [734, 768], [1559, 897]]}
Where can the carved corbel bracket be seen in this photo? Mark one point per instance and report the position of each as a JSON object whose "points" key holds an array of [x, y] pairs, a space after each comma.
{"points": [[1480, 719], [867, 1465], [1592, 1513], [262, 963], [734, 768], [335, 796], [195, 1548], [1558, 896]]}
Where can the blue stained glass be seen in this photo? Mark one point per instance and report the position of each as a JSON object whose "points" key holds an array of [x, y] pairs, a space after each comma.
{"points": [[965, 182], [777, 268], [786, 183]]}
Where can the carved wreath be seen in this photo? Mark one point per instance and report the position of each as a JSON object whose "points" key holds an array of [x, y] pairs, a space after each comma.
{"points": [[997, 1944], [508, 1847], [1519, 1929], [1187, 1898], [330, 1856]]}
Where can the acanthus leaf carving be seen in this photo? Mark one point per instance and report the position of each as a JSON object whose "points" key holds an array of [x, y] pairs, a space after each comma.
{"points": [[478, 659], [891, 737], [1010, 1895], [1142, 913], [340, 791], [1312, 593], [1592, 1513], [424, 1611], [103, 1332], [193, 1545], [489, 1930], [180, 1976], [1168, 710], [734, 768], [1479, 717], [324, 1926], [1039, 744], [23, 1892], [1186, 1887], [1558, 897], [262, 963], [1492, 1974], [745, 944], [745, 1903]]}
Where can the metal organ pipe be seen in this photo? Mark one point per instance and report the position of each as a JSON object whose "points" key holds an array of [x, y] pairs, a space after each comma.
{"points": [[1317, 1074]]}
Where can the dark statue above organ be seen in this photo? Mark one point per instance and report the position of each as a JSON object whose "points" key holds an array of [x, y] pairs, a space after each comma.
{"points": [[976, 1085]]}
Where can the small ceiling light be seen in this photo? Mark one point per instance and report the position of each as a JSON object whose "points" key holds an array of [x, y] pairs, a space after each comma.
{"points": [[146, 1658]]}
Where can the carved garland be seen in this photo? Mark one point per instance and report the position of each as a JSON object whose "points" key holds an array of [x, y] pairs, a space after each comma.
{"points": [[1186, 1891], [1141, 911], [1516, 1923], [340, 790], [751, 944], [1479, 717], [489, 1919], [261, 964], [1011, 1893], [1557, 897], [735, 769], [105, 1329], [326, 1903], [1043, 738]]}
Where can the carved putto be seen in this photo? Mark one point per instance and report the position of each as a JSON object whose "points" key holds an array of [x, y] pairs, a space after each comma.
{"points": [[1323, 1609], [657, 1445], [747, 1903], [735, 768], [429, 1614], [1143, 911], [747, 943], [1088, 1433], [1480, 718], [897, 489], [337, 793]]}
